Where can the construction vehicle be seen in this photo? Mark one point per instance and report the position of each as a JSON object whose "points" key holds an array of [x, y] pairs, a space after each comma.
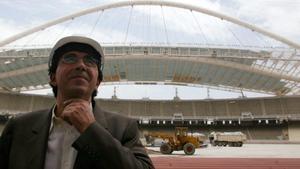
{"points": [[232, 139], [181, 140]]}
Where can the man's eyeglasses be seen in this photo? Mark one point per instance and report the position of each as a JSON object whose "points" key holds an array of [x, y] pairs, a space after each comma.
{"points": [[88, 60]]}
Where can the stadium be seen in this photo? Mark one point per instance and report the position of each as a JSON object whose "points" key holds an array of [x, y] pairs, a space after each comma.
{"points": [[264, 62]]}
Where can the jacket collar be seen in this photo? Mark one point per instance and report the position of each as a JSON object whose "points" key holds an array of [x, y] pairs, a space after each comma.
{"points": [[100, 116], [38, 138], [43, 122]]}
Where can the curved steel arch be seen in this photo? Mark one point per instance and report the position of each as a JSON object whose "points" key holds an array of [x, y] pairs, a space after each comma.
{"points": [[150, 2]]}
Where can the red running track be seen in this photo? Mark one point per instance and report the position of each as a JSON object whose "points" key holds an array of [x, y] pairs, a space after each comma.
{"points": [[225, 163]]}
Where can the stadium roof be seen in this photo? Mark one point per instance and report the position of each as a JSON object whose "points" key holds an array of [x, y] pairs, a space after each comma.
{"points": [[273, 69]]}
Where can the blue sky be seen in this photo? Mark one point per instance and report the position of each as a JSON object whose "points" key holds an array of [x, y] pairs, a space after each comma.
{"points": [[278, 16]]}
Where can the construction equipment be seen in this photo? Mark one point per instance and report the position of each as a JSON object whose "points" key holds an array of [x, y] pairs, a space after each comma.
{"points": [[232, 139], [181, 140]]}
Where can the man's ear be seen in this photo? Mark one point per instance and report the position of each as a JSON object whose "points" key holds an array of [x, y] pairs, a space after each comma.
{"points": [[98, 83], [52, 80], [99, 79]]}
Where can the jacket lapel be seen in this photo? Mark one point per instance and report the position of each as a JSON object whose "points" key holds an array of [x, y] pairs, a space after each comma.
{"points": [[38, 139]]}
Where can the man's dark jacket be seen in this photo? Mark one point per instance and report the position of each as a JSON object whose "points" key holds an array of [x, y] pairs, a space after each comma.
{"points": [[110, 143]]}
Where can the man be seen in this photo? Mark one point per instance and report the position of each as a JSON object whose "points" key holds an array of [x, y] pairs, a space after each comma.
{"points": [[75, 133]]}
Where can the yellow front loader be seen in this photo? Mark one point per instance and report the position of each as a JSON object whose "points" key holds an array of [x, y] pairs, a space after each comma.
{"points": [[181, 140]]}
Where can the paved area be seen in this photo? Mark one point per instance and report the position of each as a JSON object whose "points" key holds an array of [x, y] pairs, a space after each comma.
{"points": [[247, 151], [225, 163], [250, 156]]}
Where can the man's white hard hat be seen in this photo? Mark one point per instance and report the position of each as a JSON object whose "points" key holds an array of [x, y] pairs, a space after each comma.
{"points": [[77, 39]]}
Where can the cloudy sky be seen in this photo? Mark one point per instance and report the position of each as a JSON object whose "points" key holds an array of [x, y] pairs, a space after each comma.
{"points": [[278, 16]]}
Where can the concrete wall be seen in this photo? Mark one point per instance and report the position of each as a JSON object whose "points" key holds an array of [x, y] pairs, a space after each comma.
{"points": [[286, 106], [294, 131], [226, 107], [252, 132], [20, 103]]}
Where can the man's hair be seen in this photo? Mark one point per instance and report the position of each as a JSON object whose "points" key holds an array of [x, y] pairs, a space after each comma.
{"points": [[74, 46]]}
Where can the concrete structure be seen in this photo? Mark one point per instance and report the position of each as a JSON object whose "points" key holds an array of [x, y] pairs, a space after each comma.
{"points": [[294, 131], [272, 118], [281, 108], [232, 67]]}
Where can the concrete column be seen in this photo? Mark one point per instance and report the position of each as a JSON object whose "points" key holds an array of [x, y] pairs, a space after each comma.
{"points": [[194, 109], [281, 106], [160, 109], [129, 109], [263, 108], [227, 109], [294, 131]]}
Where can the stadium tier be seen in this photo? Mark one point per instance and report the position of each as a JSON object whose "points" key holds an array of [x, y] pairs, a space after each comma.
{"points": [[259, 118]]}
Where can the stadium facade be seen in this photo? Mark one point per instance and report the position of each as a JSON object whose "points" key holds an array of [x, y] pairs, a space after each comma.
{"points": [[269, 118], [238, 66]]}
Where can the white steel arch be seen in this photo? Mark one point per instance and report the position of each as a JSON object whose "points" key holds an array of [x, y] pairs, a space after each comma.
{"points": [[151, 2]]}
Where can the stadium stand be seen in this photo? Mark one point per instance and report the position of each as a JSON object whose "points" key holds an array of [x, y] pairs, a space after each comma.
{"points": [[259, 118]]}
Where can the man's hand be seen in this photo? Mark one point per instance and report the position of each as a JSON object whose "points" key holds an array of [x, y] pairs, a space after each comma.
{"points": [[79, 113]]}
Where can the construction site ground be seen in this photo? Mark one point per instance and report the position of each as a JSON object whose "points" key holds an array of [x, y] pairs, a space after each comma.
{"points": [[254, 156]]}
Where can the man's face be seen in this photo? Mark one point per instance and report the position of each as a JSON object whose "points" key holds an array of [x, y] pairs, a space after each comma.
{"points": [[76, 76]]}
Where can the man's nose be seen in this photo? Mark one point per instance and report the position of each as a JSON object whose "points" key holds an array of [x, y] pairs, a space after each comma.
{"points": [[80, 63]]}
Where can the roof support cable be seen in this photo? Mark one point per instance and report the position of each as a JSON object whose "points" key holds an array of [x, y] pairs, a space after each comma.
{"points": [[259, 37], [128, 25], [165, 26], [146, 26], [31, 40], [234, 35], [81, 20], [148, 34], [97, 21], [199, 26], [62, 32], [151, 2]]}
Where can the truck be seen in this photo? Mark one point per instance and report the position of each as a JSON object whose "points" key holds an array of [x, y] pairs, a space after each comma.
{"points": [[180, 140], [232, 139]]}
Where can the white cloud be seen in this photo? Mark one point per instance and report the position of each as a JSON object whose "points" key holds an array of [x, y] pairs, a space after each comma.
{"points": [[279, 16], [8, 28]]}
